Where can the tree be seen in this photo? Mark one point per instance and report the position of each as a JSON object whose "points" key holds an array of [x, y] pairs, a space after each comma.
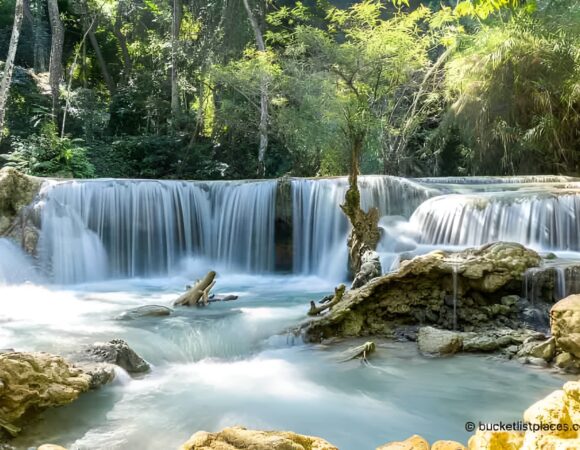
{"points": [[177, 16], [263, 128], [9, 64], [56, 49]]}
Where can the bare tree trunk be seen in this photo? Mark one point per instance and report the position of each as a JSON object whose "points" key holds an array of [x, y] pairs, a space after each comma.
{"points": [[365, 233], [100, 60], [55, 65], [263, 129], [127, 61], [9, 64], [175, 31]]}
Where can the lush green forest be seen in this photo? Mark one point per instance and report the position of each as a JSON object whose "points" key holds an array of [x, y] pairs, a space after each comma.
{"points": [[243, 89]]}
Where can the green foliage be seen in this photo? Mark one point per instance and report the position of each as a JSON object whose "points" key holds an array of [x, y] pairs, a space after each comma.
{"points": [[46, 154], [514, 94]]}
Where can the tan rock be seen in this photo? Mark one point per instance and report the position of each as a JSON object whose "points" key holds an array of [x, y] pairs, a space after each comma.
{"points": [[50, 447], [551, 410], [572, 391], [543, 350], [570, 343], [415, 442], [564, 360], [239, 438], [447, 445], [30, 382], [496, 440], [565, 316], [534, 441], [442, 342]]}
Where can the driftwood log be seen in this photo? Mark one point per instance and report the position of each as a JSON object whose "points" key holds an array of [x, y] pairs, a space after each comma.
{"points": [[362, 351], [338, 293], [198, 295]]}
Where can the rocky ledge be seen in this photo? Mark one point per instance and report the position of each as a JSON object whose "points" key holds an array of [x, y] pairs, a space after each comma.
{"points": [[31, 382], [17, 192], [428, 289]]}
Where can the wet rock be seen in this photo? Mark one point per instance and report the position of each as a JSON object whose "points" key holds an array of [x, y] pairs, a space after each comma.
{"points": [[416, 293], [119, 353], [415, 442], [145, 311], [239, 438], [564, 361], [438, 342], [100, 373], [32, 382], [545, 350]]}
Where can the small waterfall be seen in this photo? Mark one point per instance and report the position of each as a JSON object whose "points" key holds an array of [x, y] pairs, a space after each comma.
{"points": [[15, 265], [497, 180], [541, 220], [320, 228], [127, 228]]}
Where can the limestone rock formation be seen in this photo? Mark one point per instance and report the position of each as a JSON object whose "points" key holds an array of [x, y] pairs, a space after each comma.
{"points": [[31, 382], [415, 442], [447, 445], [422, 292], [239, 438], [16, 192], [550, 425], [439, 342], [565, 326], [119, 353]]}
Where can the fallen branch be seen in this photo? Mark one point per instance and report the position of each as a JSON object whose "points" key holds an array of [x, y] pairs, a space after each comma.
{"points": [[338, 294], [362, 351], [198, 295]]}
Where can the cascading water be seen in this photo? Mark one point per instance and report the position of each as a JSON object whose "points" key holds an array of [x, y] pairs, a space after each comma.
{"points": [[128, 228], [15, 265], [542, 220], [321, 228]]}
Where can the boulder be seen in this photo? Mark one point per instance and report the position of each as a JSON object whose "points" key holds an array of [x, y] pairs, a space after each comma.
{"points": [[100, 373], [31, 382], [16, 192], [50, 447], [545, 350], [496, 440], [438, 342], [119, 353], [145, 311], [565, 316], [415, 442], [239, 438], [447, 445], [422, 291]]}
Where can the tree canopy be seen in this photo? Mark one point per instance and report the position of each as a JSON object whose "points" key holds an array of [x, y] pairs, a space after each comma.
{"points": [[245, 89]]}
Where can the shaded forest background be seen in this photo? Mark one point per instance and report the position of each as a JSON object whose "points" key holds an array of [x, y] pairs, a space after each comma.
{"points": [[195, 89]]}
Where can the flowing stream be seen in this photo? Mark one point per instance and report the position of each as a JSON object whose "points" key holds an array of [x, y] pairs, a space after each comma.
{"points": [[107, 246]]}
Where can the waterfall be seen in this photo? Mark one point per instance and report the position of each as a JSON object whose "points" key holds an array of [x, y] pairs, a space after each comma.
{"points": [[126, 228], [320, 228], [15, 265], [541, 220]]}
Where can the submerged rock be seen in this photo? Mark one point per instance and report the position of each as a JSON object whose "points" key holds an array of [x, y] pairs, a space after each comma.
{"points": [[145, 311], [360, 351], [439, 342], [31, 382], [119, 353], [239, 438], [422, 290]]}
